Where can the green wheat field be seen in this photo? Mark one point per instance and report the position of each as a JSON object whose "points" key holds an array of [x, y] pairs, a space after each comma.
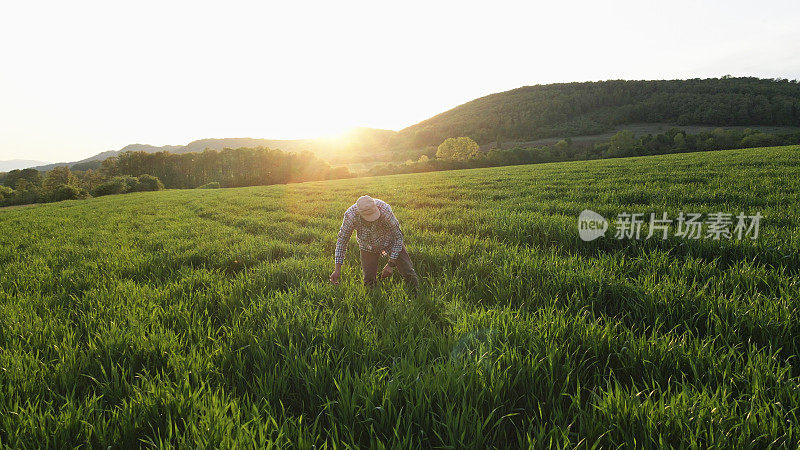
{"points": [[204, 318]]}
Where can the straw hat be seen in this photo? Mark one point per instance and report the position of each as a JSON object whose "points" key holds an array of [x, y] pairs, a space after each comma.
{"points": [[367, 208]]}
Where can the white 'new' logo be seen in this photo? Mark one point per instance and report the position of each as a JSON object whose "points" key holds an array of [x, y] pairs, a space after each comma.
{"points": [[591, 225]]}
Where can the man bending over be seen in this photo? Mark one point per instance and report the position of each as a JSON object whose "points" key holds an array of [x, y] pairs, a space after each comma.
{"points": [[377, 232]]}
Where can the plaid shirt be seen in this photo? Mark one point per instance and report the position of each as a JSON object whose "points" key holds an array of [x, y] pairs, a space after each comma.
{"points": [[382, 235]]}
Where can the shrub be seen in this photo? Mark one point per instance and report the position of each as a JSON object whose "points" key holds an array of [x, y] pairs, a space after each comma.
{"points": [[115, 185], [66, 192], [131, 183], [124, 184], [24, 193], [622, 144], [758, 140], [5, 193], [211, 185], [150, 183], [460, 148]]}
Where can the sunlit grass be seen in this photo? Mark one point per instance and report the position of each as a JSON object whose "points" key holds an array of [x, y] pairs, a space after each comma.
{"points": [[204, 318]]}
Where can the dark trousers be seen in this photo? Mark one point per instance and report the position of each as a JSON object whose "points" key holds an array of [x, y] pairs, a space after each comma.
{"points": [[369, 265]]}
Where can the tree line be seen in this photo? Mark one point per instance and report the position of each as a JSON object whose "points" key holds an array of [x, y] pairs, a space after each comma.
{"points": [[22, 187], [228, 167], [141, 171], [461, 153]]}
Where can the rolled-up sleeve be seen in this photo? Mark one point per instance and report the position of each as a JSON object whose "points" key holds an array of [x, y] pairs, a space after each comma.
{"points": [[348, 223], [397, 233]]}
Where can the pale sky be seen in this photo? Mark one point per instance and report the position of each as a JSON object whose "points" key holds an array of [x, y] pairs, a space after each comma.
{"points": [[81, 77]]}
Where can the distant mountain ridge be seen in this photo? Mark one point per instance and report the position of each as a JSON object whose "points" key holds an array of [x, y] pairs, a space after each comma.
{"points": [[12, 164], [537, 112]]}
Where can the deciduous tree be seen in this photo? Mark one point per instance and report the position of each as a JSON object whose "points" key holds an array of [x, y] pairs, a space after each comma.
{"points": [[459, 148]]}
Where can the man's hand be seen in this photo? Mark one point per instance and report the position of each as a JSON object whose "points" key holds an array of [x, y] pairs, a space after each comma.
{"points": [[335, 276], [387, 272]]}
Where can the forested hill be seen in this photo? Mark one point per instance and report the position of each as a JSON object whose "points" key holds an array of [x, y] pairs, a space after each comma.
{"points": [[534, 112], [573, 109]]}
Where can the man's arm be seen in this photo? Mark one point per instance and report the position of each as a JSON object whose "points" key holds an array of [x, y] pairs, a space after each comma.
{"points": [[342, 239], [397, 234]]}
